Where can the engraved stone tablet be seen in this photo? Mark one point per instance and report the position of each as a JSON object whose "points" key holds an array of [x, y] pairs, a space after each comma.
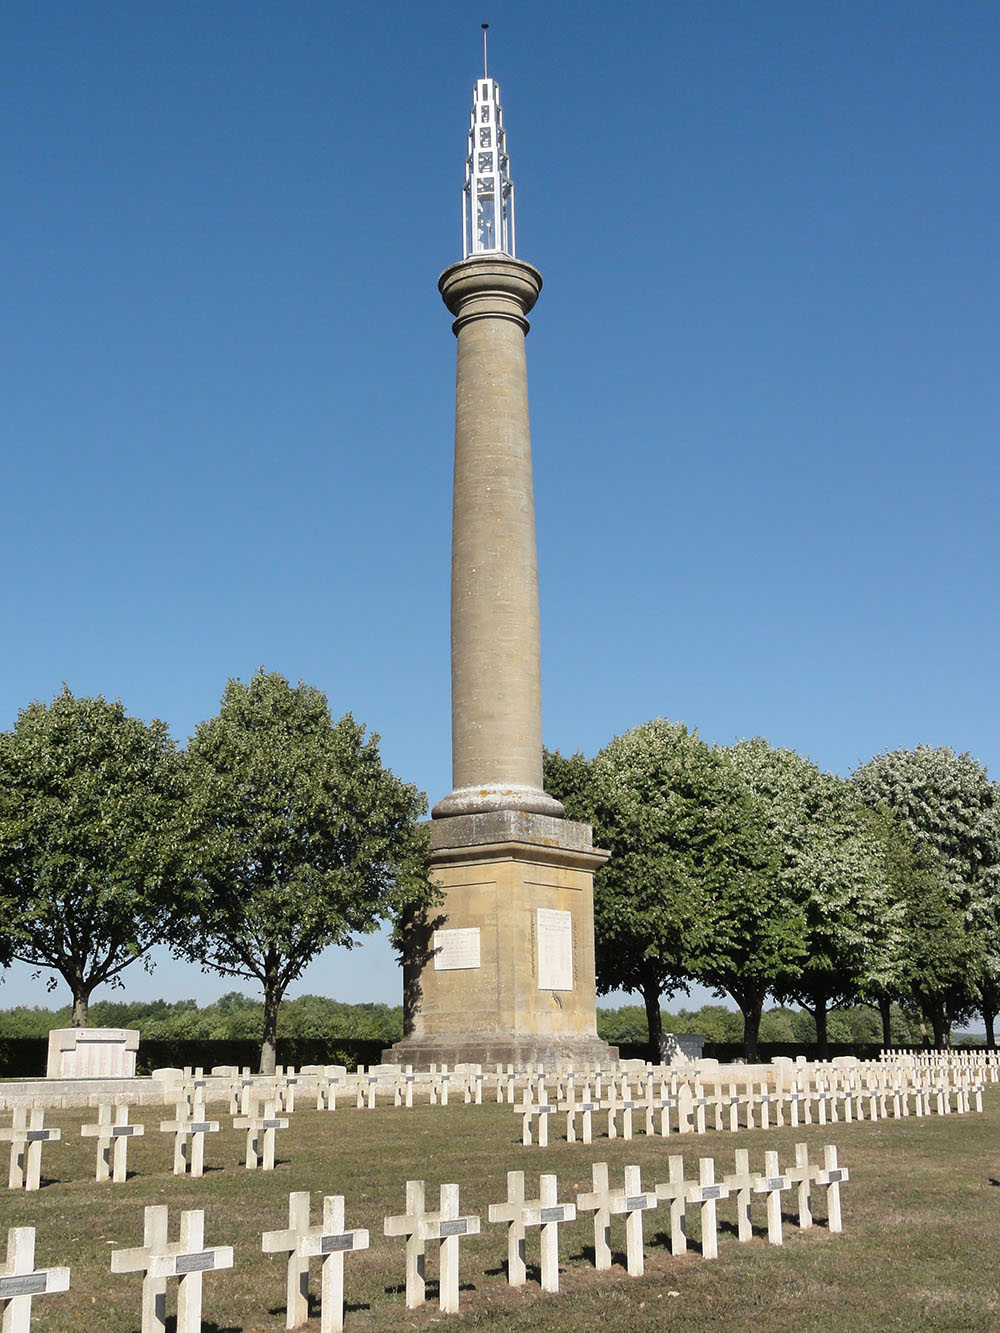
{"points": [[555, 949], [456, 949]]}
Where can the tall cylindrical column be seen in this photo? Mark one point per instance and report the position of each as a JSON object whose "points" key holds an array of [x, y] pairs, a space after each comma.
{"points": [[495, 655]]}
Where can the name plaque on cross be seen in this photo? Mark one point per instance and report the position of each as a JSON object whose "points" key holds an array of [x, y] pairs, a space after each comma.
{"points": [[555, 949], [455, 950], [33, 1284]]}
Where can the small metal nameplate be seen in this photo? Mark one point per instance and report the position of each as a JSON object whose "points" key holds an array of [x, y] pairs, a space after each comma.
{"points": [[195, 1263], [711, 1192], [272, 1124], [552, 1215], [835, 1177], [459, 1227], [331, 1244], [31, 1284], [37, 1135], [776, 1183], [123, 1131], [634, 1201], [201, 1126]]}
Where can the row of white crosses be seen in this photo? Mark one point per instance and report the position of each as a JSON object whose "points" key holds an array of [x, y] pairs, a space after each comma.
{"points": [[188, 1259]]}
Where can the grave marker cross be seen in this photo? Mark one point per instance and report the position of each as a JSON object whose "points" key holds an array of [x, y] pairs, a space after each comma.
{"points": [[186, 1259], [26, 1136], [20, 1281], [112, 1132], [545, 1212], [330, 1242]]}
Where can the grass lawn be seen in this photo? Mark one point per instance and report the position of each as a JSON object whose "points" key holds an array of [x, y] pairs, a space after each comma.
{"points": [[918, 1251]]}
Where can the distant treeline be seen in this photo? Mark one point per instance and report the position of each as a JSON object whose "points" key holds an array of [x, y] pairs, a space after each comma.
{"points": [[236, 1017]]}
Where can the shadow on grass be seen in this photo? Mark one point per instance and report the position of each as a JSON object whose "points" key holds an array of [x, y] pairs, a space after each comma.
{"points": [[171, 1327], [315, 1309]]}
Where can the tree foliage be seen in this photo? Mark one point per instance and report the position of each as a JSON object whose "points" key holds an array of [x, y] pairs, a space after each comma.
{"points": [[90, 852], [941, 826], [301, 839], [832, 865]]}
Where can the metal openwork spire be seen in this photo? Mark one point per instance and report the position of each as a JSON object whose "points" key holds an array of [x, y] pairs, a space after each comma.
{"points": [[488, 197]]}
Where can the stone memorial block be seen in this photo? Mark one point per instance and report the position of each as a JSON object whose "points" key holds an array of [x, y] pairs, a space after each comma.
{"points": [[92, 1053]]}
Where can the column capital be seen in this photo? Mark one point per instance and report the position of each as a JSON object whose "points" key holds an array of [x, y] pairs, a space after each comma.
{"points": [[497, 287]]}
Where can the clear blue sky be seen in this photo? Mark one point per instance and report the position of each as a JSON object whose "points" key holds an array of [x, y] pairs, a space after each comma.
{"points": [[764, 369]]}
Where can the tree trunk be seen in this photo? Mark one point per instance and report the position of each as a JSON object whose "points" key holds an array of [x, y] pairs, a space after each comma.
{"points": [[654, 1021], [885, 1013], [751, 1008], [81, 1004], [989, 1018], [269, 1038], [940, 1025], [819, 1013]]}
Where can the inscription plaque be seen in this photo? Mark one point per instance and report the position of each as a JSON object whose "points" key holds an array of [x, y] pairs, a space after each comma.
{"points": [[195, 1263], [331, 1244], [456, 949], [457, 1228], [31, 1284], [555, 949]]}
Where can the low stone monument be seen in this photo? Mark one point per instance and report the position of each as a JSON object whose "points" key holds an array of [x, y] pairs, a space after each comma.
{"points": [[92, 1053]]}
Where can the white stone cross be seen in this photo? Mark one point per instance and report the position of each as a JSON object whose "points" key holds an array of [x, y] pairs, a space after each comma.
{"points": [[802, 1174], [529, 1111], [832, 1176], [408, 1224], [624, 1103], [584, 1108], [186, 1259], [419, 1226], [26, 1136], [657, 1104], [707, 1193], [402, 1094], [330, 1242], [675, 1191], [741, 1183], [260, 1130], [545, 1212], [20, 1280], [632, 1201], [112, 1132], [189, 1124], [772, 1183]]}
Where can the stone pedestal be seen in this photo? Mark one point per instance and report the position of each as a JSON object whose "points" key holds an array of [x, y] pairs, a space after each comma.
{"points": [[502, 972]]}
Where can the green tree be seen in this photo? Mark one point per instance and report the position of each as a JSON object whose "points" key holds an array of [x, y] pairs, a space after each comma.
{"points": [[685, 893], [832, 865], [90, 846], [949, 813], [301, 838], [645, 794]]}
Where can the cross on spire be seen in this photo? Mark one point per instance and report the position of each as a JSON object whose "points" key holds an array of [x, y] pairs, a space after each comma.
{"points": [[488, 195]]}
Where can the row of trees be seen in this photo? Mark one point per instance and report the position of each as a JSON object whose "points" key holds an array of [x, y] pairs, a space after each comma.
{"points": [[276, 833], [749, 870]]}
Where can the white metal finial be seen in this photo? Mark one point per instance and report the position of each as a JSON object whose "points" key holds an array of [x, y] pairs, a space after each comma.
{"points": [[488, 195]]}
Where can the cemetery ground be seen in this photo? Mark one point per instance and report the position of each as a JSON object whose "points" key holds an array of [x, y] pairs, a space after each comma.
{"points": [[921, 1224]]}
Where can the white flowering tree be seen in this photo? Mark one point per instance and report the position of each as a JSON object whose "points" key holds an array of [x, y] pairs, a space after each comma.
{"points": [[90, 852], [948, 813], [833, 863]]}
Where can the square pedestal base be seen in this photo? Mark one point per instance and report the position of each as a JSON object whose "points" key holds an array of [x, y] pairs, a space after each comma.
{"points": [[503, 970]]}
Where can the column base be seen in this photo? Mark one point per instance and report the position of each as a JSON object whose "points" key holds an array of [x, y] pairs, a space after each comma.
{"points": [[502, 971]]}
